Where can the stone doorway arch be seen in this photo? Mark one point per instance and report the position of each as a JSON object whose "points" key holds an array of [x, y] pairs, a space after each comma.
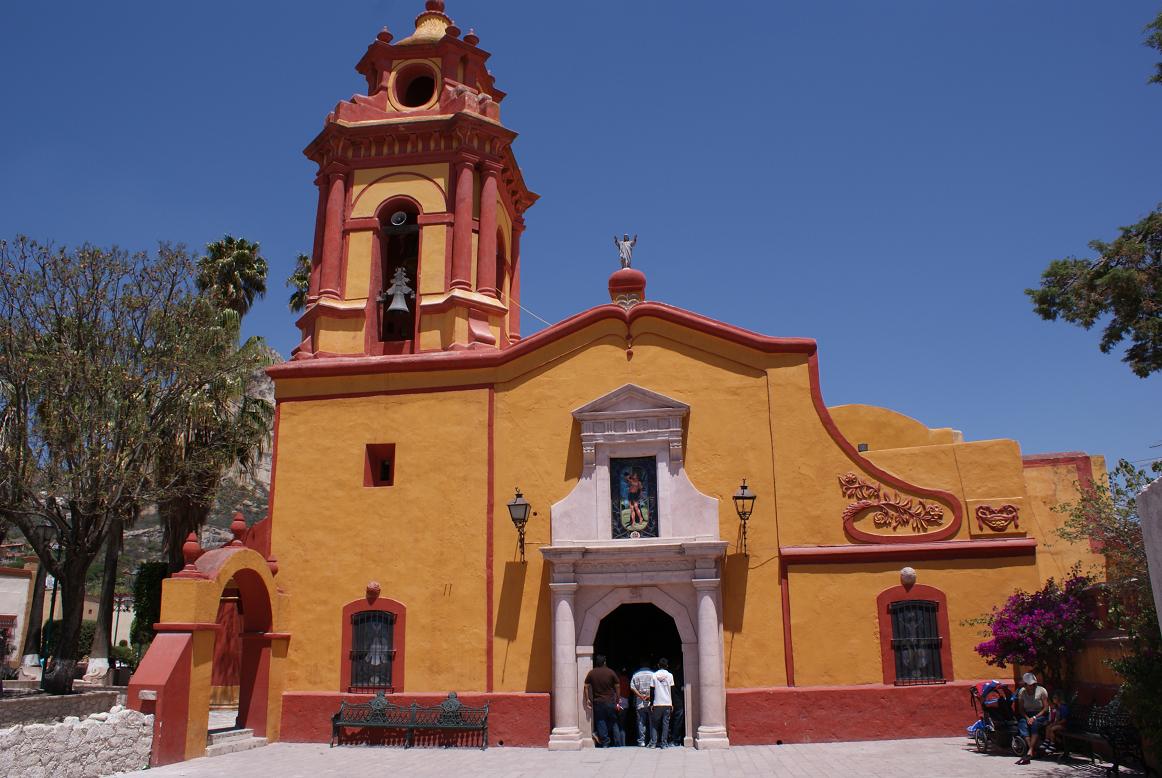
{"points": [[687, 635]]}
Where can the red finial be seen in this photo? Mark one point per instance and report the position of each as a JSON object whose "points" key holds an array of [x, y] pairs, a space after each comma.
{"points": [[452, 31], [435, 5], [373, 590], [384, 36], [191, 549], [471, 38], [238, 528]]}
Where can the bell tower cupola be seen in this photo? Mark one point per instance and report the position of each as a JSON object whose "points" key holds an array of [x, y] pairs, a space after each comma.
{"points": [[421, 204]]}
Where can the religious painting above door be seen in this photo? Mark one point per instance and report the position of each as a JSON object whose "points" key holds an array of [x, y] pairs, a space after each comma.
{"points": [[633, 488]]}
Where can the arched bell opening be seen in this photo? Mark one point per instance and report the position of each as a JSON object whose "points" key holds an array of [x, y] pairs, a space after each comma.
{"points": [[395, 275]]}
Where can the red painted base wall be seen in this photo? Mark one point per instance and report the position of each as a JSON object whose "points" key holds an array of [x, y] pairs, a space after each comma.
{"points": [[819, 714], [514, 719]]}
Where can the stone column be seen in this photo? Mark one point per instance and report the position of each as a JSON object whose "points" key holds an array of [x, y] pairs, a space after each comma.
{"points": [[317, 248], [1150, 514], [518, 227], [711, 693], [333, 236], [565, 735], [462, 226], [486, 243]]}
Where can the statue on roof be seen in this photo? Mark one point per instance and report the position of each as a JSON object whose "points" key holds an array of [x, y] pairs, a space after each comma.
{"points": [[625, 248]]}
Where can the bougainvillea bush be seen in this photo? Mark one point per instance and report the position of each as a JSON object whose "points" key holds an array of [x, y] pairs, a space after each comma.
{"points": [[1042, 629]]}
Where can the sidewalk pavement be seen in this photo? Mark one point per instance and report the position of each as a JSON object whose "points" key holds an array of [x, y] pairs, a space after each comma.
{"points": [[944, 757]]}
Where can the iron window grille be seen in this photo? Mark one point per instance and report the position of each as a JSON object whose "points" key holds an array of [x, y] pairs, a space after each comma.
{"points": [[372, 651], [916, 642]]}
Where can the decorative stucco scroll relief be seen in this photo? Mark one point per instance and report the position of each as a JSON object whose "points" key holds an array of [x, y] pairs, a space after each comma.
{"points": [[888, 509], [627, 300], [997, 519]]}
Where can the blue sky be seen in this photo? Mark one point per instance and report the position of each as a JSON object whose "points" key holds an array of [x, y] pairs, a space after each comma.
{"points": [[886, 177]]}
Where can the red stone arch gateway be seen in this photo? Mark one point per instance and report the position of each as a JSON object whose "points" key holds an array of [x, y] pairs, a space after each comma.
{"points": [[173, 681]]}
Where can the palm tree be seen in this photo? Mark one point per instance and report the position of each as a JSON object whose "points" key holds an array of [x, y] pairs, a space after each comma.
{"points": [[233, 272], [300, 282], [226, 424]]}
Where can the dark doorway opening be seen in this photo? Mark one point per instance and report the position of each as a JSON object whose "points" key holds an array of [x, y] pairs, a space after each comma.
{"points": [[642, 632]]}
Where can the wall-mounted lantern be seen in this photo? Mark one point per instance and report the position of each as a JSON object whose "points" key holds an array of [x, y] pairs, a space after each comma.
{"points": [[744, 505], [518, 511]]}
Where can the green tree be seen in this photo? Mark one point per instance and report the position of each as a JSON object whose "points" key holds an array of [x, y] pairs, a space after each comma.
{"points": [[225, 423], [1154, 41], [1107, 516], [233, 272], [1122, 285], [100, 351], [300, 284]]}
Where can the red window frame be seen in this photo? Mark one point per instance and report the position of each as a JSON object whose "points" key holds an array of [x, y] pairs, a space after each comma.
{"points": [[382, 604], [883, 612]]}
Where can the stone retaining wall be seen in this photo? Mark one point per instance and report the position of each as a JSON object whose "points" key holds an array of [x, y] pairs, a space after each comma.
{"points": [[101, 744], [51, 707]]}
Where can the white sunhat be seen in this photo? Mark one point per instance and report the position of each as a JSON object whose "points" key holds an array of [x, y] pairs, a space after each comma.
{"points": [[1029, 679]]}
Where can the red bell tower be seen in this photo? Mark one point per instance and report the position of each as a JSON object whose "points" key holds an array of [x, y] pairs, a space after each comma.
{"points": [[421, 204]]}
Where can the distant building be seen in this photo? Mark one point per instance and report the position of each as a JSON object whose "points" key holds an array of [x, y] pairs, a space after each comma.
{"points": [[414, 405], [16, 586]]}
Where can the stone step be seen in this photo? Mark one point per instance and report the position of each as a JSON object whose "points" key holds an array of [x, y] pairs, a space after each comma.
{"points": [[226, 735], [234, 746]]}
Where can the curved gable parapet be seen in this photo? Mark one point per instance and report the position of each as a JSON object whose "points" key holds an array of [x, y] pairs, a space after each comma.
{"points": [[611, 323], [867, 498], [483, 359], [884, 428]]}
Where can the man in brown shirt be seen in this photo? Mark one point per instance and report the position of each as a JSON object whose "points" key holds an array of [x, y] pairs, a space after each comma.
{"points": [[601, 696]]}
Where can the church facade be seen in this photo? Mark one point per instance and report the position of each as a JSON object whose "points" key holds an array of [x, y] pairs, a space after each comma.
{"points": [[414, 421]]}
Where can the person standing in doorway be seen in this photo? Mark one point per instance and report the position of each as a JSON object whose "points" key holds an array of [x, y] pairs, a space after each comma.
{"points": [[663, 704], [640, 687], [622, 711], [601, 698]]}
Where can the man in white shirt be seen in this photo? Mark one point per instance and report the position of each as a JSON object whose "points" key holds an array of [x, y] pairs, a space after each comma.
{"points": [[663, 705], [640, 687]]}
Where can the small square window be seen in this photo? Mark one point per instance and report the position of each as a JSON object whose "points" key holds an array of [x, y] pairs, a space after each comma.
{"points": [[379, 469]]}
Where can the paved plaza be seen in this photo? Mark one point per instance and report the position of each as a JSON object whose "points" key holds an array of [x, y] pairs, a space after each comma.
{"points": [[944, 757]]}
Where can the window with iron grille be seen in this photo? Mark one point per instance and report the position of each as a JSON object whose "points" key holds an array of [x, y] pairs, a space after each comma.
{"points": [[916, 642], [372, 651]]}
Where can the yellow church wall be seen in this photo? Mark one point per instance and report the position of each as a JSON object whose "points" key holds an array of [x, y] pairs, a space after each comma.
{"points": [[434, 242], [810, 502], [537, 442], [883, 428], [752, 416], [835, 626], [426, 184], [339, 335], [422, 539], [358, 267], [986, 472], [1048, 487]]}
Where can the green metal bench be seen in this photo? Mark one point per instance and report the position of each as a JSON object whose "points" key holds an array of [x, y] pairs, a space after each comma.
{"points": [[1107, 726], [378, 713]]}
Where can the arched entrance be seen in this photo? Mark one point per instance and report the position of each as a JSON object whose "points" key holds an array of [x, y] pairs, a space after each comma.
{"points": [[175, 677], [637, 635], [244, 610]]}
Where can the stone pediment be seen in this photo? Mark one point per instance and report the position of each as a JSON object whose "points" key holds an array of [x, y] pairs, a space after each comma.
{"points": [[630, 400], [633, 422]]}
